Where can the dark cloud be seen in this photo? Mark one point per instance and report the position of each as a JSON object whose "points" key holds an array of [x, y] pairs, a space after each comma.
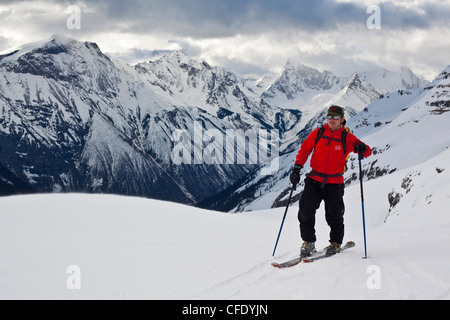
{"points": [[225, 18], [220, 18]]}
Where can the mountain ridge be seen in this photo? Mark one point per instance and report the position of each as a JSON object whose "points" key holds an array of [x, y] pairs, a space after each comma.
{"points": [[106, 126]]}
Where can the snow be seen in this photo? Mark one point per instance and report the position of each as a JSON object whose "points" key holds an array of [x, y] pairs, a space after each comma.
{"points": [[390, 81], [13, 54], [132, 248]]}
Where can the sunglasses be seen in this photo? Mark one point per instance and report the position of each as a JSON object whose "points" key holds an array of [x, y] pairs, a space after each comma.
{"points": [[329, 117]]}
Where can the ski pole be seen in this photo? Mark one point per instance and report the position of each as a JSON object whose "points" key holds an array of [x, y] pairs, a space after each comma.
{"points": [[360, 157], [294, 187]]}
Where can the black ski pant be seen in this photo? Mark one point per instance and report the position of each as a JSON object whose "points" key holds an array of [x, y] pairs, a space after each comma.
{"points": [[312, 196]]}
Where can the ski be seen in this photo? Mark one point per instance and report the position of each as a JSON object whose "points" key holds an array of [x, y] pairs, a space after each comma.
{"points": [[296, 261], [290, 263], [287, 264], [348, 245]]}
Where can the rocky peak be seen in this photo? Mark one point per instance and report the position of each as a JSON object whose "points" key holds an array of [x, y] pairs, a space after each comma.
{"points": [[355, 82], [67, 60], [445, 74], [297, 78]]}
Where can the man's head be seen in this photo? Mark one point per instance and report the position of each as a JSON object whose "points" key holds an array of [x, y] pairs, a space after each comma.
{"points": [[335, 117], [335, 111]]}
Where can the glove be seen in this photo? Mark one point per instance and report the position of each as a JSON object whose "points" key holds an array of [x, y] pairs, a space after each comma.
{"points": [[360, 148], [295, 175]]}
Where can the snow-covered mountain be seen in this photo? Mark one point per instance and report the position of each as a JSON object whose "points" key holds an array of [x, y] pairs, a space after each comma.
{"points": [[303, 87], [312, 92], [388, 81], [10, 184], [73, 119], [298, 80], [69, 122]]}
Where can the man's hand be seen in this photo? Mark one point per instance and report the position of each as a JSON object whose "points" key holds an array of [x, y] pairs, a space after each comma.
{"points": [[295, 175], [360, 148]]}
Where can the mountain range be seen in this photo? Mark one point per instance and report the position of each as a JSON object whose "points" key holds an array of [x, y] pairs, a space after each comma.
{"points": [[74, 120]]}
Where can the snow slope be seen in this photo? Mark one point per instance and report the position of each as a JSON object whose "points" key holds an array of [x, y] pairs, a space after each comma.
{"points": [[131, 248]]}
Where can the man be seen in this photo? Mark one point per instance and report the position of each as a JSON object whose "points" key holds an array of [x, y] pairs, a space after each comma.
{"points": [[330, 147]]}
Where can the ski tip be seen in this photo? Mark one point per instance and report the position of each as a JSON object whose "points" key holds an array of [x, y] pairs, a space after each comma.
{"points": [[350, 244], [276, 265]]}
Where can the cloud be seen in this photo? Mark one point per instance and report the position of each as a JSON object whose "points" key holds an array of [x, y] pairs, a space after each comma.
{"points": [[219, 18], [207, 19], [247, 35]]}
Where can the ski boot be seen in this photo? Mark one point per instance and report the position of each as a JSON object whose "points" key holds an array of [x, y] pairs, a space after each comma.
{"points": [[332, 249], [307, 249]]}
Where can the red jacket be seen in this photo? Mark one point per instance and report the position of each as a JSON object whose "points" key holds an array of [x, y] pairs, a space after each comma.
{"points": [[328, 156]]}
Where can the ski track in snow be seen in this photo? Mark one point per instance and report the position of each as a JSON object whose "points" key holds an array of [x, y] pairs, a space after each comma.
{"points": [[233, 287]]}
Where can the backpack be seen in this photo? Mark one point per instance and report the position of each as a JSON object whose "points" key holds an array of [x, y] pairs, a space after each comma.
{"points": [[343, 140]]}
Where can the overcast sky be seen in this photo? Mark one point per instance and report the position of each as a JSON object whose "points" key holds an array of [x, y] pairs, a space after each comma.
{"points": [[247, 36]]}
